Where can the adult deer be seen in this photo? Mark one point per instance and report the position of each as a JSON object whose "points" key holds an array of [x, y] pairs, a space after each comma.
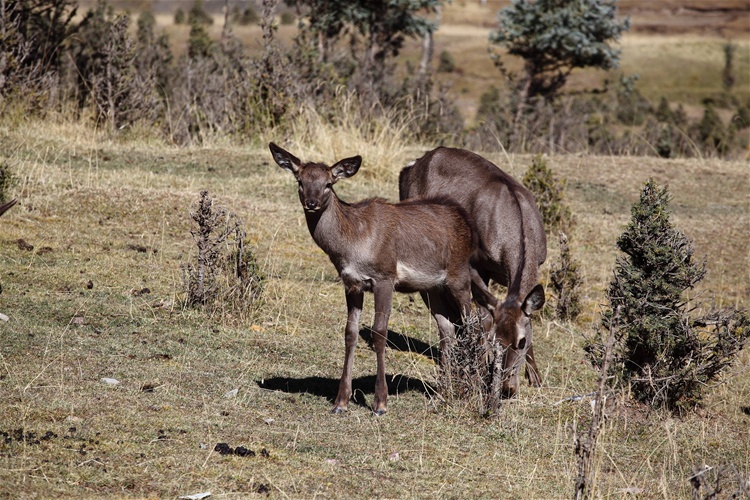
{"points": [[414, 246], [512, 243]]}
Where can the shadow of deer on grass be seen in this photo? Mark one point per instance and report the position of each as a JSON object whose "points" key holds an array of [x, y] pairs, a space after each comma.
{"points": [[326, 387]]}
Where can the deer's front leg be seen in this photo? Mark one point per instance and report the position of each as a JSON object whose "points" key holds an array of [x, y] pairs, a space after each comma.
{"points": [[351, 332], [383, 298]]}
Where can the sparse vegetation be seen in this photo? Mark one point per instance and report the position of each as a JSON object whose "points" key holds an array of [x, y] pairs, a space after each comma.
{"points": [[269, 82]]}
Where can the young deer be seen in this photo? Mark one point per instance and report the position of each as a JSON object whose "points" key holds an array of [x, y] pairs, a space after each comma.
{"points": [[414, 246], [512, 243]]}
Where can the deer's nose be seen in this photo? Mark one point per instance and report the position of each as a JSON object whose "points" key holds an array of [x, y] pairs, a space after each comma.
{"points": [[311, 204]]}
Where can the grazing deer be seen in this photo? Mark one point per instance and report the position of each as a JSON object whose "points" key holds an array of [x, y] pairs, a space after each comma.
{"points": [[512, 243], [414, 246]]}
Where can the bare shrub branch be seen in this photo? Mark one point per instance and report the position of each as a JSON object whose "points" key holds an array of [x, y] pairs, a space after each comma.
{"points": [[225, 275]]}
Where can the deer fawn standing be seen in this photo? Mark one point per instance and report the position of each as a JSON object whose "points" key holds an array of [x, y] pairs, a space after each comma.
{"points": [[414, 246], [512, 243]]}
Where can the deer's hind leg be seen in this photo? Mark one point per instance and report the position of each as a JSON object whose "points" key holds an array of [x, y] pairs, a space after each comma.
{"points": [[383, 299], [447, 316]]}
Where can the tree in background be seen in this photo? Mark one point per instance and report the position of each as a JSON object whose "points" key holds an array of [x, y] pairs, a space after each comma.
{"points": [[154, 57], [711, 133], [198, 15], [377, 29], [554, 37]]}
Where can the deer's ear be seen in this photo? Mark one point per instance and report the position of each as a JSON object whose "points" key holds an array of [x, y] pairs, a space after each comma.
{"points": [[285, 159], [346, 168], [534, 300]]}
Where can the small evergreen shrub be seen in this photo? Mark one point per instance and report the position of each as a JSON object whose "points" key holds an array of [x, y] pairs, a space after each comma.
{"points": [[667, 358], [663, 112], [179, 16], [446, 63], [632, 107], [711, 133], [198, 15], [566, 280], [548, 192], [287, 18], [199, 42], [246, 16]]}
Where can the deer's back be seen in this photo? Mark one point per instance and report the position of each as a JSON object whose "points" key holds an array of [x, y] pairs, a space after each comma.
{"points": [[417, 244], [512, 242]]}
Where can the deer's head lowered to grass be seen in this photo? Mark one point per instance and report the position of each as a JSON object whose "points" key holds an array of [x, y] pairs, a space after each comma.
{"points": [[414, 246]]}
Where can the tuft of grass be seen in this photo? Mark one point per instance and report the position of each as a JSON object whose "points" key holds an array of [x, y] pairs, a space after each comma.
{"points": [[381, 139]]}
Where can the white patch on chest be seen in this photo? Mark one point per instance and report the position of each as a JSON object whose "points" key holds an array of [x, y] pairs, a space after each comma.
{"points": [[419, 278]]}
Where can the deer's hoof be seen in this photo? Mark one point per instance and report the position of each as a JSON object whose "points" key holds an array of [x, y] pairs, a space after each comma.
{"points": [[338, 410], [379, 413]]}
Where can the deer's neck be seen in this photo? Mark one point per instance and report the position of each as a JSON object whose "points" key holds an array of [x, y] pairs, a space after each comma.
{"points": [[330, 228]]}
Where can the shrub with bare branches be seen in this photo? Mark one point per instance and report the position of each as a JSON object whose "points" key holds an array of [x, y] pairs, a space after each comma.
{"points": [[33, 35], [225, 275], [474, 373]]}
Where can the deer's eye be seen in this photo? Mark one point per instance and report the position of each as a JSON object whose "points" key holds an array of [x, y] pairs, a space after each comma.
{"points": [[329, 185]]}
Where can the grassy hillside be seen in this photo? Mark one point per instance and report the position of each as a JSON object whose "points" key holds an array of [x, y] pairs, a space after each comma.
{"points": [[99, 295]]}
